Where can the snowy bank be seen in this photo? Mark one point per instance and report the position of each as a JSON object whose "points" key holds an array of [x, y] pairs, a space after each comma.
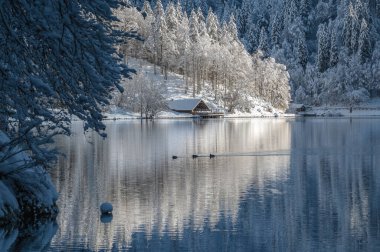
{"points": [[370, 108], [24, 192], [257, 112]]}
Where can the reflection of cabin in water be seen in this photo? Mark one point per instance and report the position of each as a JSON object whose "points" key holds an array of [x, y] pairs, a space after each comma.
{"points": [[193, 106]]}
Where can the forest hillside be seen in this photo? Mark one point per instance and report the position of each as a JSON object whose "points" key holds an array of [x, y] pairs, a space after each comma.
{"points": [[331, 47]]}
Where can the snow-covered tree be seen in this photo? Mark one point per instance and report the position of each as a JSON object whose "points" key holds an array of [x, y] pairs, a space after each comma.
{"points": [[264, 43], [291, 11], [302, 53], [147, 8], [277, 26], [212, 26], [194, 27], [364, 42], [171, 18], [232, 28], [334, 56], [251, 39], [323, 59], [57, 58], [159, 9], [142, 96], [347, 26], [355, 30], [243, 17], [304, 9]]}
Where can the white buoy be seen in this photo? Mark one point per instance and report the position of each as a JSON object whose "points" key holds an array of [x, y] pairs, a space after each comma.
{"points": [[106, 208]]}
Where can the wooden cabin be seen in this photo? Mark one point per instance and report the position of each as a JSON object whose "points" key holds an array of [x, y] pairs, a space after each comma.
{"points": [[296, 108], [191, 106]]}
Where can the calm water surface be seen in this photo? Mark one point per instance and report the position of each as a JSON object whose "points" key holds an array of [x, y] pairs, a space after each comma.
{"points": [[275, 185]]}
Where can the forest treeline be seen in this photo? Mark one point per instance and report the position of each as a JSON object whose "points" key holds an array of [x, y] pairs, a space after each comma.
{"points": [[206, 52]]}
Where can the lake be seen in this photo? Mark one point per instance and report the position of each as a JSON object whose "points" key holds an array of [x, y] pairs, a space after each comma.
{"points": [[273, 185]]}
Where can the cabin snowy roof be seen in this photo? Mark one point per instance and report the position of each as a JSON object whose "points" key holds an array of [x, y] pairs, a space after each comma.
{"points": [[184, 104]]}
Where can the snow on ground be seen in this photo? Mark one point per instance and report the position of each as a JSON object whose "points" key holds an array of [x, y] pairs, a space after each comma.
{"points": [[176, 87], [367, 109], [29, 187]]}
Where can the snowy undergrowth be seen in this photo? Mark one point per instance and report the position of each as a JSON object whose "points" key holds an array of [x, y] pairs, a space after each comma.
{"points": [[175, 88], [23, 191]]}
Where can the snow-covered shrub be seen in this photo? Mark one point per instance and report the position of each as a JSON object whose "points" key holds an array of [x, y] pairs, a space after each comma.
{"points": [[142, 95], [300, 96], [357, 96]]}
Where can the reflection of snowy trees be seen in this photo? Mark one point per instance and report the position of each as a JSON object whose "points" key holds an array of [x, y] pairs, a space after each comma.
{"points": [[152, 193], [323, 193], [36, 238]]}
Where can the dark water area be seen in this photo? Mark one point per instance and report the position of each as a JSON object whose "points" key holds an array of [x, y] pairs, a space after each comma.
{"points": [[274, 185]]}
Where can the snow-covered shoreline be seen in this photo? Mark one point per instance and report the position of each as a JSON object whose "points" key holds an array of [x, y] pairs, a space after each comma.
{"points": [[176, 115], [370, 108], [312, 112]]}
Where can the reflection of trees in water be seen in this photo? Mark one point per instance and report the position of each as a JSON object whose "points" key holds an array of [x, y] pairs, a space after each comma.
{"points": [[34, 237], [155, 194], [332, 194]]}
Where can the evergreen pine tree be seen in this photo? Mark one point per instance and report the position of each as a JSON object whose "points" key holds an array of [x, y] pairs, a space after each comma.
{"points": [[171, 18], [251, 38], [147, 8], [334, 57], [364, 43], [355, 30], [291, 12], [347, 27], [323, 59], [212, 25], [193, 27], [201, 23], [232, 28], [304, 9], [158, 10], [179, 10], [302, 52], [264, 43], [277, 26], [243, 17]]}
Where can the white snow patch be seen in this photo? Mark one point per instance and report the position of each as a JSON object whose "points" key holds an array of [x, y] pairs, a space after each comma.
{"points": [[173, 115]]}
